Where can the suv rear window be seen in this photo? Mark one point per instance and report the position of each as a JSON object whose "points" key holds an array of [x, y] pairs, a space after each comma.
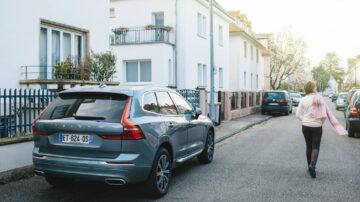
{"points": [[107, 107], [274, 95]]}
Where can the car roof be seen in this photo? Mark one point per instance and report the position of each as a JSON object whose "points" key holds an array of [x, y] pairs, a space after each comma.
{"points": [[276, 91], [127, 90]]}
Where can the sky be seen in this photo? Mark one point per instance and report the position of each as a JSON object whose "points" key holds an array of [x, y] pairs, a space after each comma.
{"points": [[325, 25]]}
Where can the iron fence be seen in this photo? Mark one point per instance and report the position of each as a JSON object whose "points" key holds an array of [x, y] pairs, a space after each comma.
{"points": [[18, 108], [193, 96]]}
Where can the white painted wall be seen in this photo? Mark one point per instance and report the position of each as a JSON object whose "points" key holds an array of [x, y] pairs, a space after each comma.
{"points": [[192, 49], [16, 155], [20, 30], [240, 64], [159, 54]]}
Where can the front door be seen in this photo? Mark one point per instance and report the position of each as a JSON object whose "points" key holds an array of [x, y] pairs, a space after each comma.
{"points": [[159, 26]]}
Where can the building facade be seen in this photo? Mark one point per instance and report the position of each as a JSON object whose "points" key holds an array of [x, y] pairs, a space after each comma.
{"points": [[166, 43], [39, 34]]}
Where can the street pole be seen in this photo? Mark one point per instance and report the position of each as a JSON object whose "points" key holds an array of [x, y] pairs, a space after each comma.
{"points": [[212, 69]]}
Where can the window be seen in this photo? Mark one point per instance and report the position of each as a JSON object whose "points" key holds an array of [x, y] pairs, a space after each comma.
{"points": [[251, 81], [138, 71], [202, 80], [221, 78], [181, 104], [245, 49], [150, 103], [257, 55], [112, 12], [104, 107], [258, 98], [252, 52], [55, 51], [201, 25], [62, 43], [221, 35], [234, 100], [257, 81], [244, 79], [166, 105], [66, 45]]}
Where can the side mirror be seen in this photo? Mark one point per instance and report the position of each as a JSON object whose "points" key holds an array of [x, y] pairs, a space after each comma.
{"points": [[197, 112]]}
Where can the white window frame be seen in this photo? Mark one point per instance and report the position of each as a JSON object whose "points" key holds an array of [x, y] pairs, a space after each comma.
{"points": [[221, 35], [245, 49], [139, 73], [257, 55], [257, 81], [244, 80], [201, 25], [221, 77], [112, 13], [202, 75], [252, 52]]}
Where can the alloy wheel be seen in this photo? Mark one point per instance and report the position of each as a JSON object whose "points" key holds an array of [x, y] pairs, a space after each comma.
{"points": [[163, 173], [210, 147]]}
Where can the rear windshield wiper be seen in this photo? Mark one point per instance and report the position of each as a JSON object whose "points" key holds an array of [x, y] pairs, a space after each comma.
{"points": [[78, 117]]}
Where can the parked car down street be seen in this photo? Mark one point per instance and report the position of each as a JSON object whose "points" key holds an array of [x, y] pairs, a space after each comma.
{"points": [[334, 97], [295, 98], [276, 102], [119, 135], [341, 101], [352, 115]]}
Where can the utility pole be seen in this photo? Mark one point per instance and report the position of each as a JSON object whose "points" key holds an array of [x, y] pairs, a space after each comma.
{"points": [[212, 69]]}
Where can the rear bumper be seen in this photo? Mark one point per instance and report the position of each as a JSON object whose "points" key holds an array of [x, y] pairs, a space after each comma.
{"points": [[355, 123], [280, 109], [92, 169]]}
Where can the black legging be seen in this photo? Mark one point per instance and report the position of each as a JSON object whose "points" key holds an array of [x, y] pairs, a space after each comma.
{"points": [[312, 138]]}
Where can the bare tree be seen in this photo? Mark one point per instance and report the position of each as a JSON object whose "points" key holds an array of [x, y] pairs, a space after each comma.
{"points": [[288, 56]]}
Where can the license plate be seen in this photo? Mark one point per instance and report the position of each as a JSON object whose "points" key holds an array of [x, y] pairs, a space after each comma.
{"points": [[273, 103], [75, 138]]}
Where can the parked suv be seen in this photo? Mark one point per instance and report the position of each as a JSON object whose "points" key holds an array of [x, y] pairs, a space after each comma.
{"points": [[276, 102], [119, 135], [341, 102], [352, 114]]}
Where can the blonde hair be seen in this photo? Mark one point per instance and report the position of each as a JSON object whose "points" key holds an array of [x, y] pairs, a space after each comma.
{"points": [[309, 87]]}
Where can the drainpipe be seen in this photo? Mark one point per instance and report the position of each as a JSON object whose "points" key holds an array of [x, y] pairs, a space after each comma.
{"points": [[176, 42]]}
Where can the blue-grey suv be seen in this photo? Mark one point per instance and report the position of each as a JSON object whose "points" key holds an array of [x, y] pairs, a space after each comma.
{"points": [[119, 135]]}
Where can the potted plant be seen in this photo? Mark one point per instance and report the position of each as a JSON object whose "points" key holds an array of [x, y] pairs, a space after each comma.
{"points": [[150, 27], [168, 28]]}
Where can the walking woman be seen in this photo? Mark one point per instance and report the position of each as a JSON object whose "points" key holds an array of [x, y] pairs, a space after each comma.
{"points": [[313, 112]]}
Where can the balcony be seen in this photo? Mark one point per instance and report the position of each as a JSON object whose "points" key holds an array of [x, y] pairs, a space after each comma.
{"points": [[142, 35], [41, 76]]}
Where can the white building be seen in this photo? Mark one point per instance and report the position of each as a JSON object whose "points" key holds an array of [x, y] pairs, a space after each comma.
{"points": [[333, 86], [249, 57], [38, 34], [166, 43]]}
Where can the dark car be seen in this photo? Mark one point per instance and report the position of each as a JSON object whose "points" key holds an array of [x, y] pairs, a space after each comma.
{"points": [[334, 97], [119, 135], [352, 115], [276, 102]]}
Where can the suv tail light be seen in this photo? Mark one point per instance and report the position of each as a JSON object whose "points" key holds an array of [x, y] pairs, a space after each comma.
{"points": [[265, 100], [354, 111], [131, 130], [35, 130]]}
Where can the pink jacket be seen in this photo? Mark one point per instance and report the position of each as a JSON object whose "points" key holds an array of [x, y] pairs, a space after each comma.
{"points": [[321, 110]]}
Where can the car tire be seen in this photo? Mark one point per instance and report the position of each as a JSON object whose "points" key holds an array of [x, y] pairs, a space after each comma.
{"points": [[262, 112], [350, 130], [287, 113], [207, 155], [159, 179], [58, 181]]}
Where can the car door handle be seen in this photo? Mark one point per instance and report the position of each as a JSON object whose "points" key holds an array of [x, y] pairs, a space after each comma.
{"points": [[171, 125]]}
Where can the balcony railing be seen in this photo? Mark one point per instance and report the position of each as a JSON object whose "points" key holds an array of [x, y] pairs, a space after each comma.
{"points": [[141, 35]]}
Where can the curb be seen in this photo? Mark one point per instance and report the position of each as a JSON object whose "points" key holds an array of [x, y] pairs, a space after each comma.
{"points": [[241, 130], [16, 174]]}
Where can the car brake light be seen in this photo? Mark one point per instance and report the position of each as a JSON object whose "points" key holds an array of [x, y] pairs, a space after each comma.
{"points": [[265, 100], [354, 111], [131, 130], [35, 130], [284, 101]]}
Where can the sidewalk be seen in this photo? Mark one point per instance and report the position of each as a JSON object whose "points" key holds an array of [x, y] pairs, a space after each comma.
{"points": [[230, 128]]}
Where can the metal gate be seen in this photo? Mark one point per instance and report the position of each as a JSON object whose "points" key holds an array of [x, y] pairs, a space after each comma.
{"points": [[193, 96]]}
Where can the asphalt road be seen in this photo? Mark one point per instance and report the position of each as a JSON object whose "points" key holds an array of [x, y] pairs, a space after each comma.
{"points": [[264, 163]]}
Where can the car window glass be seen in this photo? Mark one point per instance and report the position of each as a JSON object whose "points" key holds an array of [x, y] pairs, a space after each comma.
{"points": [[274, 95], [181, 104], [107, 106], [150, 103], [166, 105]]}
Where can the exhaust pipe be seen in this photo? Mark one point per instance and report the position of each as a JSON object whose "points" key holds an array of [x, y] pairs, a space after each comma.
{"points": [[38, 172], [115, 181]]}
